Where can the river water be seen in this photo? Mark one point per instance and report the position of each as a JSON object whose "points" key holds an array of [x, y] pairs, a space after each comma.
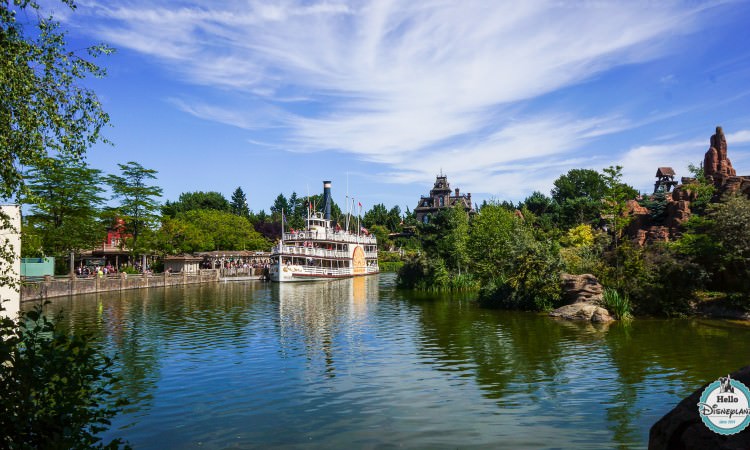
{"points": [[359, 364]]}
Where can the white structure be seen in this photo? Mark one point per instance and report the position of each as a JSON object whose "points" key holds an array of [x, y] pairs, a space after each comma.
{"points": [[189, 264], [10, 239], [322, 251]]}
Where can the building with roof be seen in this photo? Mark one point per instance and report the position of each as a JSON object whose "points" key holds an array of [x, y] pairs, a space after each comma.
{"points": [[442, 197]]}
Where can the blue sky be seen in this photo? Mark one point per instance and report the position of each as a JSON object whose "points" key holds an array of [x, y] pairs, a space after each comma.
{"points": [[503, 97]]}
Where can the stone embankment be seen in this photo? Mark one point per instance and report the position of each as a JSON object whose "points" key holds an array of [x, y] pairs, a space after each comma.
{"points": [[682, 428], [63, 286], [584, 295]]}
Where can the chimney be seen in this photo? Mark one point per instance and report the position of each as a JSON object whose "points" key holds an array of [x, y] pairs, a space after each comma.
{"points": [[456, 192], [327, 200]]}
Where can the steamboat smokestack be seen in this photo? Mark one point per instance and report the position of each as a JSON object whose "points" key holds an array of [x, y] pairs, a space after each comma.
{"points": [[327, 200]]}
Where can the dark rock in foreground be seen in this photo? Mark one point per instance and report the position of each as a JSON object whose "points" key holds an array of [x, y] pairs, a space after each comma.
{"points": [[682, 428]]}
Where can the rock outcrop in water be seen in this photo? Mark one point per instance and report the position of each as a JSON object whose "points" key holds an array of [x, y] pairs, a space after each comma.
{"points": [[584, 292], [682, 428]]}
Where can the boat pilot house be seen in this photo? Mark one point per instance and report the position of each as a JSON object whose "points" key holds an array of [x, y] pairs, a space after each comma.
{"points": [[440, 198]]}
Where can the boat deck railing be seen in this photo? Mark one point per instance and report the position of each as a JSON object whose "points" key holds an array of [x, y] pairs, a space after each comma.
{"points": [[327, 271], [314, 252], [335, 236]]}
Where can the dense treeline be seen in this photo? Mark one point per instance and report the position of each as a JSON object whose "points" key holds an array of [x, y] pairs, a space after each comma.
{"points": [[514, 254]]}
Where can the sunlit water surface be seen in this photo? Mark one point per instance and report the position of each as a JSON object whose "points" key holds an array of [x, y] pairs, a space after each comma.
{"points": [[359, 364]]}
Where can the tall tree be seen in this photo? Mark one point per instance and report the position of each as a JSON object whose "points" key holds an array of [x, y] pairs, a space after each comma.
{"points": [[65, 195], [44, 107], [578, 194], [239, 203], [54, 384], [614, 208], [138, 205], [190, 201], [206, 229], [280, 204], [377, 215]]}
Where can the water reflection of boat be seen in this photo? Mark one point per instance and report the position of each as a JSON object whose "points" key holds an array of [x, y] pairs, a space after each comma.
{"points": [[321, 316], [323, 250]]}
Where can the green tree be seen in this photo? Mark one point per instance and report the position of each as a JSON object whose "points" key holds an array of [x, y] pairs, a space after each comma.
{"points": [[450, 238], [381, 233], [177, 235], [55, 386], [377, 215], [578, 183], [280, 204], [138, 205], [496, 236], [579, 194], [615, 207], [239, 203], [65, 196], [45, 109], [538, 203], [190, 201], [729, 228], [701, 190], [394, 220], [219, 230]]}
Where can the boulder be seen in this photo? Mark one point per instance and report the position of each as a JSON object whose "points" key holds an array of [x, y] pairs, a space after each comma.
{"points": [[657, 234], [582, 311], [583, 288], [682, 427], [583, 293], [678, 212]]}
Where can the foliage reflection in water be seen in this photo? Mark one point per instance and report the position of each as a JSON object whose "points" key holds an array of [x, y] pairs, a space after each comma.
{"points": [[358, 363]]}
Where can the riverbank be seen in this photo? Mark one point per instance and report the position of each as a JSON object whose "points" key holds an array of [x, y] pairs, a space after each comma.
{"points": [[50, 287]]}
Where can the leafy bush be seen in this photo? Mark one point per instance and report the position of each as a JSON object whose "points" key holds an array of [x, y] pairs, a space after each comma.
{"points": [[579, 236], [618, 305], [53, 386], [390, 266], [426, 274], [533, 283], [422, 273], [658, 280]]}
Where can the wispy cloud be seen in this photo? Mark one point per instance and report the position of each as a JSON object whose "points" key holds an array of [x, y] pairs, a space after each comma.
{"points": [[414, 86]]}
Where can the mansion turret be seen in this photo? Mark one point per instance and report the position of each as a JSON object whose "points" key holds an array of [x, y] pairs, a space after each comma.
{"points": [[441, 197]]}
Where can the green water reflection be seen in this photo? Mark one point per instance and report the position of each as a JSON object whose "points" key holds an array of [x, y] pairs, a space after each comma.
{"points": [[359, 363]]}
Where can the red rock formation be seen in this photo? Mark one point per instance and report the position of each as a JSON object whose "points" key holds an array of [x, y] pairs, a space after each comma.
{"points": [[716, 164], [678, 212]]}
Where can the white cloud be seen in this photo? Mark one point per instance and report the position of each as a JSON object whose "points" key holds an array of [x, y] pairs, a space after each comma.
{"points": [[640, 163], [408, 85], [739, 137]]}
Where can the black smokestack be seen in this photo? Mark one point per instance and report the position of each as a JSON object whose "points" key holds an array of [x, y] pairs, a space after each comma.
{"points": [[327, 200]]}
